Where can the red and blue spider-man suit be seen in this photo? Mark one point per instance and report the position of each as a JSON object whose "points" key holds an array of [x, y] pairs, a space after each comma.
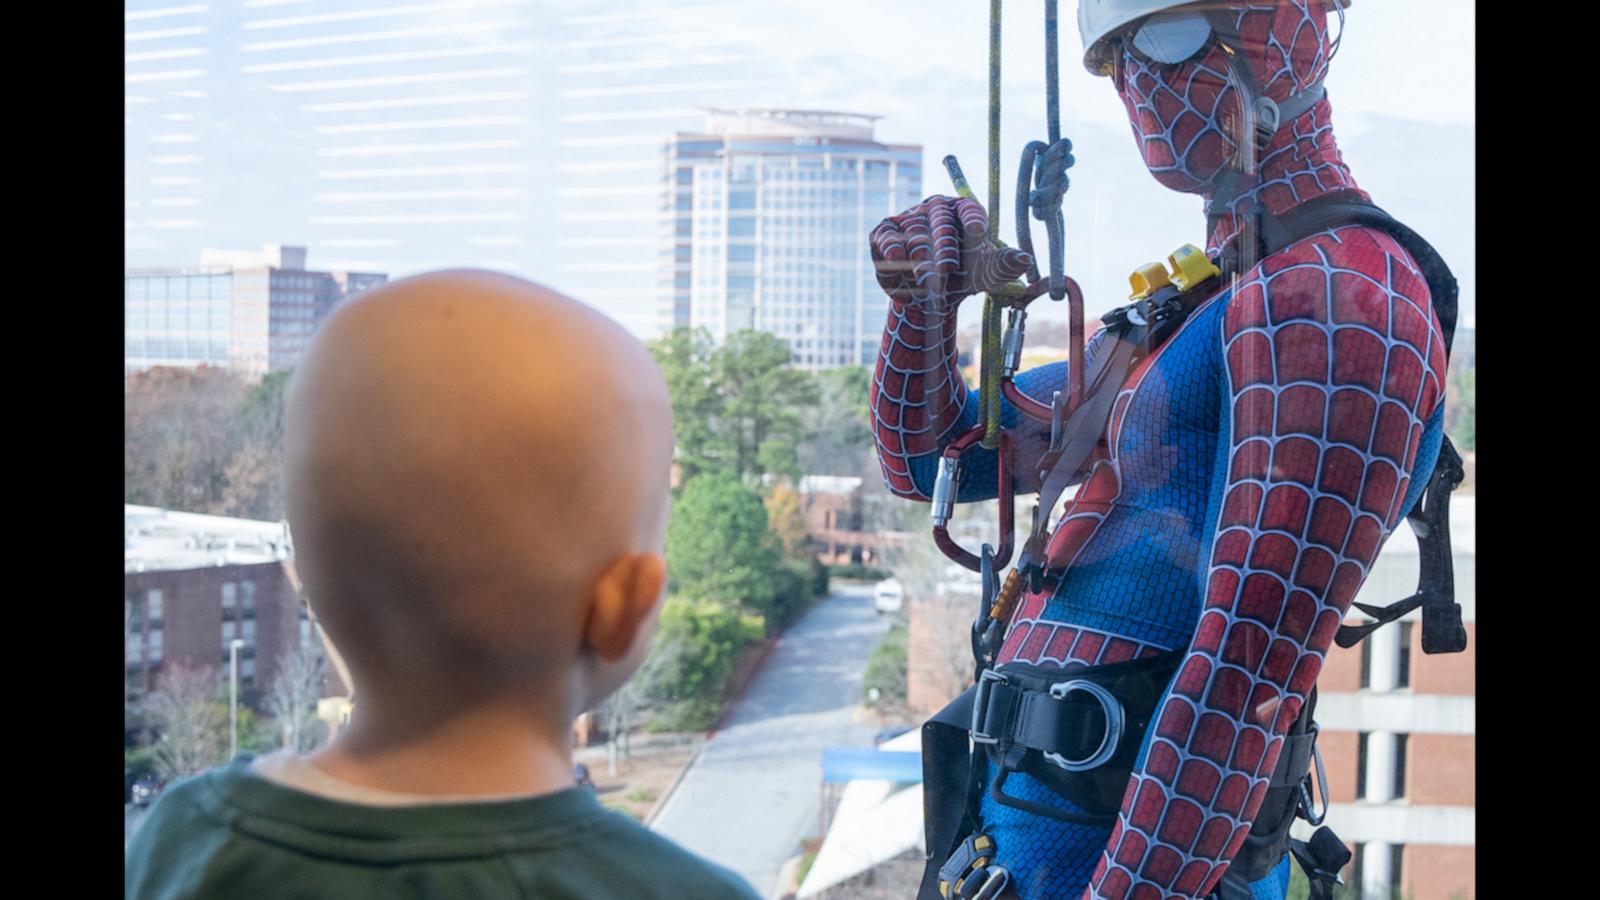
{"points": [[1253, 467]]}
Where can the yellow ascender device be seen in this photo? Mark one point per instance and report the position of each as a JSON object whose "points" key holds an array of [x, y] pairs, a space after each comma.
{"points": [[1188, 267]]}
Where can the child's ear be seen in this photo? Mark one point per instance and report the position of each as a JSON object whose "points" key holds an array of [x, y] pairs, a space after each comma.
{"points": [[622, 603]]}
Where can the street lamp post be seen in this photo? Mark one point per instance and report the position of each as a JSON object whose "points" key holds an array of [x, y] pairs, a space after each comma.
{"points": [[233, 696]]}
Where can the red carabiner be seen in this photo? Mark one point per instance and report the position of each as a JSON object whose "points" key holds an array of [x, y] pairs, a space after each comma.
{"points": [[948, 485], [1038, 410]]}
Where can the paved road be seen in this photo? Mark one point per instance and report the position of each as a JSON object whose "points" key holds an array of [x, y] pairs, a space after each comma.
{"points": [[132, 818], [753, 793]]}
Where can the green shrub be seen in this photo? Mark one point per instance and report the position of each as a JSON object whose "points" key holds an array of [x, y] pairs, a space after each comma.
{"points": [[794, 587], [886, 670], [719, 544], [701, 640], [139, 760], [819, 578], [859, 572], [695, 714]]}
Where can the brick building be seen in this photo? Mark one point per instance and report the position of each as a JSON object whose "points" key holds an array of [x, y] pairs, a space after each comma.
{"points": [[193, 584], [1399, 734], [1397, 726], [844, 521]]}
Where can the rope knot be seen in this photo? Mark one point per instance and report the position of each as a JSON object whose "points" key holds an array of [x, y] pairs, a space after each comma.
{"points": [[1050, 179]]}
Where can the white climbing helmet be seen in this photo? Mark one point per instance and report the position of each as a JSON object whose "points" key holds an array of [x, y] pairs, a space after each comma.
{"points": [[1176, 36]]}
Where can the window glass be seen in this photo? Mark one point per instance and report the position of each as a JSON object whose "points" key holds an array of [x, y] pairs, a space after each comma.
{"points": [[1403, 673], [1361, 765], [698, 169], [1400, 765]]}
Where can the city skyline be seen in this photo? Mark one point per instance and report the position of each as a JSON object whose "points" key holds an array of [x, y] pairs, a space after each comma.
{"points": [[525, 135], [251, 311]]}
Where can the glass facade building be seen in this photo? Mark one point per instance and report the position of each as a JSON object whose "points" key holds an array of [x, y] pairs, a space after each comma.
{"points": [[764, 221], [177, 317], [255, 318]]}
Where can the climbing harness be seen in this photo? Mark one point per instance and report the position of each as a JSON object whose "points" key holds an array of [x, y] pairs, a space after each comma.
{"points": [[1077, 731]]}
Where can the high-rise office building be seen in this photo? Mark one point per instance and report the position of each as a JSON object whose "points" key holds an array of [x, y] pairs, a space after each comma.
{"points": [[765, 214], [252, 312]]}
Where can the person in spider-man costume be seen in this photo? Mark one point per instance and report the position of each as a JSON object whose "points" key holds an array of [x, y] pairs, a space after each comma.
{"points": [[1253, 466]]}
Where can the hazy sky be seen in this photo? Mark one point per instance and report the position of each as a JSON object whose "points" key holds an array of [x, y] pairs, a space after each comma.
{"points": [[1402, 88]]}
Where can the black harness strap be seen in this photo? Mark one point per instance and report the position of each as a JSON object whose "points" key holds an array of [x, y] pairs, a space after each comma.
{"points": [[1019, 720]]}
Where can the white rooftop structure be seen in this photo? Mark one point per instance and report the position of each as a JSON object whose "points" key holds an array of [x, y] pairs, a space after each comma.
{"points": [[156, 540], [277, 256], [790, 123], [829, 484], [876, 821]]}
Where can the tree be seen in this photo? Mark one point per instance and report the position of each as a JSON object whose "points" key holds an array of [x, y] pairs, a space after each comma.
{"points": [[738, 406], [292, 700], [191, 718], [204, 440], [699, 642], [718, 544], [684, 357], [787, 520], [763, 400], [621, 710], [255, 474], [175, 453], [838, 428], [943, 618]]}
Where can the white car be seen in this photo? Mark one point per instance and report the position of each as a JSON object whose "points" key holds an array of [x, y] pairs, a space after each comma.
{"points": [[887, 596]]}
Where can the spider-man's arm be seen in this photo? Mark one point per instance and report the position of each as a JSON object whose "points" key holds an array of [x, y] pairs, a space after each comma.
{"points": [[1333, 370], [927, 259]]}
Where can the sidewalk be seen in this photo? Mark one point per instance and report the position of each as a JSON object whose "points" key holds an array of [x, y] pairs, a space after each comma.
{"points": [[643, 782]]}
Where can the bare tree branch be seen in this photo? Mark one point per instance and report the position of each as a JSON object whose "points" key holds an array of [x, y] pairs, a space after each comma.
{"points": [[193, 721], [292, 700]]}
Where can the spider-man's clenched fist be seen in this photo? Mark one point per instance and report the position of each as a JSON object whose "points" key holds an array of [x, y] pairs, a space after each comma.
{"points": [[934, 254]]}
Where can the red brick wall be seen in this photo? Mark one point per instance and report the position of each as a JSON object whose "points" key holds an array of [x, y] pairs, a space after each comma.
{"points": [[1440, 769], [936, 653], [1435, 872], [1444, 673], [1339, 753], [1341, 670], [192, 617]]}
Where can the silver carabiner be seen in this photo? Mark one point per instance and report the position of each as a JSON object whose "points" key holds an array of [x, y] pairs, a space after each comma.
{"points": [[994, 884], [1307, 804]]}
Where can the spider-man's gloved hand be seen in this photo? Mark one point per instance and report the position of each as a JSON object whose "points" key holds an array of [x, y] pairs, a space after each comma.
{"points": [[934, 254]]}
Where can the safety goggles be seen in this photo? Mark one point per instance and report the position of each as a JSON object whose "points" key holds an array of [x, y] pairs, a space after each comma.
{"points": [[1171, 37], [1180, 35]]}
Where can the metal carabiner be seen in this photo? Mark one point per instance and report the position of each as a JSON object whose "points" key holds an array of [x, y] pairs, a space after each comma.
{"points": [[946, 488], [1307, 804], [994, 883], [1038, 410]]}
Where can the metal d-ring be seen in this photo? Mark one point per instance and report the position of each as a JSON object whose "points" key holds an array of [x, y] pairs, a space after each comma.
{"points": [[1114, 722], [995, 881]]}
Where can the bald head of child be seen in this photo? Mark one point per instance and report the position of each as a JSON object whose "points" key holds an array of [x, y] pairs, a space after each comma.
{"points": [[477, 478]]}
